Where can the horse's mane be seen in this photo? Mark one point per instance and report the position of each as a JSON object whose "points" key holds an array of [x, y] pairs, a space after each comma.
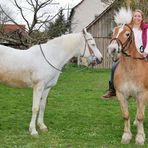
{"points": [[70, 40], [67, 40], [123, 16], [69, 37], [66, 37]]}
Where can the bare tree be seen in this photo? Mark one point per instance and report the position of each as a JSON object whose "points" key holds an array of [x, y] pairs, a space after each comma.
{"points": [[39, 15], [37, 9], [3, 20], [3, 17]]}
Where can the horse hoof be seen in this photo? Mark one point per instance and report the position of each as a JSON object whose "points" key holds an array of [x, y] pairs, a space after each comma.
{"points": [[126, 138], [44, 130], [35, 135], [140, 138]]}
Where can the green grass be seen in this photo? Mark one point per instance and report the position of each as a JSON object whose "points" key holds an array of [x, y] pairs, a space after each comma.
{"points": [[76, 115]]}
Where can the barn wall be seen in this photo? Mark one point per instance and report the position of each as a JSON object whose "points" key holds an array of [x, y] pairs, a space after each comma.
{"points": [[102, 31]]}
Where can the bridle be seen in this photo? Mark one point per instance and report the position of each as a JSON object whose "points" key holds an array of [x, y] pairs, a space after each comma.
{"points": [[86, 44], [126, 44]]}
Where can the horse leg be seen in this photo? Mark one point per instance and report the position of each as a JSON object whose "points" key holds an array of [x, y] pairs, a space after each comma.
{"points": [[37, 93], [135, 121], [127, 135], [41, 124], [141, 103]]}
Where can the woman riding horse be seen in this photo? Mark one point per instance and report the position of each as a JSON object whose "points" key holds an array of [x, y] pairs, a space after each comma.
{"points": [[140, 30], [130, 78]]}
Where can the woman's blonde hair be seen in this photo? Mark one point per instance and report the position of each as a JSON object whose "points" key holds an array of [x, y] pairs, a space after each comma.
{"points": [[141, 12]]}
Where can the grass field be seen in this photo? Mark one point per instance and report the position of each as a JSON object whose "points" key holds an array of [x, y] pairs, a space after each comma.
{"points": [[76, 115]]}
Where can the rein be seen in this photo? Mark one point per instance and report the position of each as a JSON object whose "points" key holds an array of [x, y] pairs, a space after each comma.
{"points": [[48, 60], [126, 45]]}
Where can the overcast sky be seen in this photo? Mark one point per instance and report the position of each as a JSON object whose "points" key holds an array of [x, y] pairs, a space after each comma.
{"points": [[53, 9]]}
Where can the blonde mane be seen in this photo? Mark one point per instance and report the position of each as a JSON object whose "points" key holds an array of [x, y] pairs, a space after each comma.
{"points": [[123, 16]]}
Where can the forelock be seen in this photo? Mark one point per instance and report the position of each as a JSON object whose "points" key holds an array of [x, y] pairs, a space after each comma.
{"points": [[123, 16]]}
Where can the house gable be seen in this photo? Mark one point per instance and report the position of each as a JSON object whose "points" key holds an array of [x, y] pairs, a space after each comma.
{"points": [[103, 24], [8, 28], [85, 12], [10, 33]]}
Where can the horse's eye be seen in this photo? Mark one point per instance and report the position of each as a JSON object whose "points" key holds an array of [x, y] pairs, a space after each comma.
{"points": [[127, 34], [93, 44]]}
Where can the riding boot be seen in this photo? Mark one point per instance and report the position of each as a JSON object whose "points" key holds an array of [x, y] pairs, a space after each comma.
{"points": [[111, 92]]}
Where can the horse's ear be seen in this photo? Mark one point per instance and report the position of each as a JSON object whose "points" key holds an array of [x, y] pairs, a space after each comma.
{"points": [[84, 31]]}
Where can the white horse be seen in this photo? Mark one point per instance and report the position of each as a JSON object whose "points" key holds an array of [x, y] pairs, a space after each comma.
{"points": [[40, 66]]}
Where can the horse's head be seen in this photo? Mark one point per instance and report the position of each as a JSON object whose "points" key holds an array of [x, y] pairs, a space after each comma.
{"points": [[90, 51], [121, 39], [122, 34]]}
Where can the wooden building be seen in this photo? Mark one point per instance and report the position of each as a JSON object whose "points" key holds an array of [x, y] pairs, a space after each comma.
{"points": [[97, 17], [101, 29], [85, 12]]}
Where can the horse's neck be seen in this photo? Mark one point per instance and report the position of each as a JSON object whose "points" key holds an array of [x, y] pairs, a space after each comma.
{"points": [[132, 49], [72, 43], [129, 61], [65, 47]]}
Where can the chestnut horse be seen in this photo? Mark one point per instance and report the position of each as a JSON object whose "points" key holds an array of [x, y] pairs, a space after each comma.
{"points": [[130, 77]]}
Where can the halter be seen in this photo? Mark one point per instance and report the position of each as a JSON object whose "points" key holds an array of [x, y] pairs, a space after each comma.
{"points": [[86, 44], [48, 60], [126, 44]]}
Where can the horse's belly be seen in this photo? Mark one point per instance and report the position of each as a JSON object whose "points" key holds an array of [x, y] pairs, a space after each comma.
{"points": [[15, 79]]}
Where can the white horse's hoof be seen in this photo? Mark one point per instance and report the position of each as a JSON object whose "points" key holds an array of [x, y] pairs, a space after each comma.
{"points": [[33, 133], [126, 137], [44, 130], [43, 127], [140, 138]]}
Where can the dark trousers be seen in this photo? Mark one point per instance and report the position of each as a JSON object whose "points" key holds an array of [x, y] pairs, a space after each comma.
{"points": [[111, 82]]}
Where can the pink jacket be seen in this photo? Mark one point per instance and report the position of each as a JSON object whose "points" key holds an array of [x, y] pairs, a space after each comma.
{"points": [[144, 34]]}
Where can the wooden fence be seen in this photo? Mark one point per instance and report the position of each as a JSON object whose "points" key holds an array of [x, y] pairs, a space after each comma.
{"points": [[102, 43]]}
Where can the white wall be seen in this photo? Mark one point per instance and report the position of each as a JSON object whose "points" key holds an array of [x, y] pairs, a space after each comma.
{"points": [[85, 13]]}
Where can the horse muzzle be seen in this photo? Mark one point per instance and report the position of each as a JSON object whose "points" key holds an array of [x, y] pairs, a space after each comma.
{"points": [[99, 61], [94, 60], [113, 49]]}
